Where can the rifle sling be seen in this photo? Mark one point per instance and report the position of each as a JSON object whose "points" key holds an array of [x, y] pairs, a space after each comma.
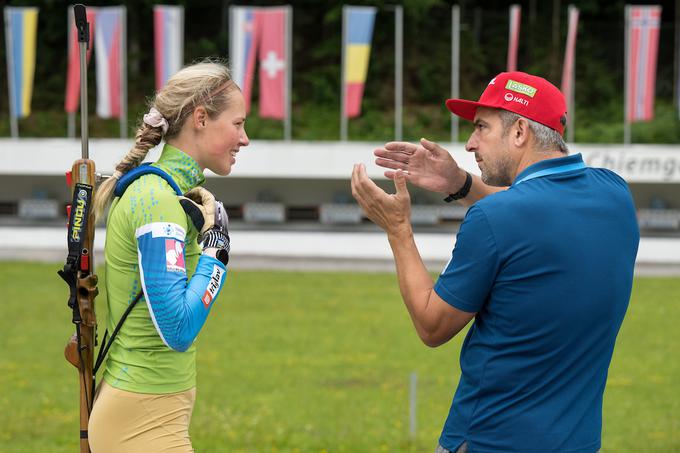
{"points": [[107, 345]]}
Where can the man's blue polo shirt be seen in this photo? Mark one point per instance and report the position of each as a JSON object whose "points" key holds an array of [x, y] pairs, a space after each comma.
{"points": [[547, 265]]}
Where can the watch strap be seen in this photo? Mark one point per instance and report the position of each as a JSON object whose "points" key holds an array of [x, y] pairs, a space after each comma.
{"points": [[463, 192]]}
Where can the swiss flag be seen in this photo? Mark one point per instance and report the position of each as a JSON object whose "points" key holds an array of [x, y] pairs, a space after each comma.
{"points": [[271, 24]]}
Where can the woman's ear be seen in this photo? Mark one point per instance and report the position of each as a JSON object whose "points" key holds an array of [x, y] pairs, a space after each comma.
{"points": [[199, 117]]}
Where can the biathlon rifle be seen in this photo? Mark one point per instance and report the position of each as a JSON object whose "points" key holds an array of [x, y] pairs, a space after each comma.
{"points": [[78, 270]]}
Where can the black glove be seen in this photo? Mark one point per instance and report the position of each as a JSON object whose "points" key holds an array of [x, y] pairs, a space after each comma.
{"points": [[219, 239]]}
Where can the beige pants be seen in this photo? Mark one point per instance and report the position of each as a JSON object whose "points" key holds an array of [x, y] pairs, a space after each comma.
{"points": [[127, 422]]}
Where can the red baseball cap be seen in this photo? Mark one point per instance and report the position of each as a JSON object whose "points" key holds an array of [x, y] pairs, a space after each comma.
{"points": [[525, 94]]}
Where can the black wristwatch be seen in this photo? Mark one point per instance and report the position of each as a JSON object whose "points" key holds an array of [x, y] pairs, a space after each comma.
{"points": [[462, 193]]}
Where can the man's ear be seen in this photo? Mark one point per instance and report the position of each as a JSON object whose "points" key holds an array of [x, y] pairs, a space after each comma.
{"points": [[199, 117], [520, 132]]}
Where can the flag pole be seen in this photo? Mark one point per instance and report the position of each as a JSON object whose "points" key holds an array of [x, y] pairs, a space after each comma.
{"points": [[570, 73], [398, 71], [626, 79], [455, 66], [343, 88], [11, 83], [289, 74], [123, 72]]}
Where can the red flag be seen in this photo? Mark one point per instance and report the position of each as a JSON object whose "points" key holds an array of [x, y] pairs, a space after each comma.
{"points": [[643, 45], [513, 36], [569, 55], [73, 70], [273, 60]]}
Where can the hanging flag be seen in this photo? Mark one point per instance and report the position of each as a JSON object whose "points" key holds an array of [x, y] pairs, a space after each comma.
{"points": [[569, 55], [109, 58], [643, 44], [242, 48], [21, 26], [271, 24], [513, 36], [73, 64], [358, 23], [168, 34]]}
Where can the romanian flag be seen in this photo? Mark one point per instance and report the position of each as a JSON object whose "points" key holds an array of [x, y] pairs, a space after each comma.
{"points": [[358, 25], [21, 26], [168, 32]]}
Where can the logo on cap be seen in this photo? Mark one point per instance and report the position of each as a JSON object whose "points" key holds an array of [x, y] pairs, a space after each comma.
{"points": [[521, 88], [509, 96]]}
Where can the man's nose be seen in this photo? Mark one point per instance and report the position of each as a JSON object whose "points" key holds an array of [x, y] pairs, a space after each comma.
{"points": [[244, 139], [471, 144]]}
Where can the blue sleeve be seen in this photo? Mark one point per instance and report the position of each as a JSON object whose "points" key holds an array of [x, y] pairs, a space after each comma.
{"points": [[178, 309], [469, 275]]}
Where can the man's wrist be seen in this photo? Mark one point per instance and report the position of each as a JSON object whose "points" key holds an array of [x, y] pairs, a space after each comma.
{"points": [[400, 234], [463, 190]]}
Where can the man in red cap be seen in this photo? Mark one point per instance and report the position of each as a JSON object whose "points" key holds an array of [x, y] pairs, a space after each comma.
{"points": [[543, 262]]}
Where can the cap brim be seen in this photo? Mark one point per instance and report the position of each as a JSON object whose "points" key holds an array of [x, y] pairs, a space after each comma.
{"points": [[464, 109]]}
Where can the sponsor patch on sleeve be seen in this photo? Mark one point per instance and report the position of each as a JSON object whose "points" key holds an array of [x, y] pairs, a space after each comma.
{"points": [[174, 255], [213, 285]]}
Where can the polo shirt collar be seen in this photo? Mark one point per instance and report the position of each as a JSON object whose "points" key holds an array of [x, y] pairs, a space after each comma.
{"points": [[548, 165]]}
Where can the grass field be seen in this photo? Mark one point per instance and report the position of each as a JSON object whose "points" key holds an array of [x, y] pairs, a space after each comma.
{"points": [[316, 362]]}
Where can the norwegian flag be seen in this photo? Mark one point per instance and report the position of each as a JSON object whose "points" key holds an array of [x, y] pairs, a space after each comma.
{"points": [[643, 23]]}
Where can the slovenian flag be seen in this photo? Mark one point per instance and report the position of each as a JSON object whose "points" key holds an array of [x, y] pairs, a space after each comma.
{"points": [[72, 101], [242, 48], [168, 22], [358, 23], [109, 56], [21, 26]]}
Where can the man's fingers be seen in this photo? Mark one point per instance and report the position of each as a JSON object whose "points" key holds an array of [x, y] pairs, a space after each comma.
{"points": [[392, 164], [393, 155], [432, 147], [362, 186], [400, 183], [401, 147]]}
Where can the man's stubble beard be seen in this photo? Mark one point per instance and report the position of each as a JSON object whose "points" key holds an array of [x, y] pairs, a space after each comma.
{"points": [[499, 173]]}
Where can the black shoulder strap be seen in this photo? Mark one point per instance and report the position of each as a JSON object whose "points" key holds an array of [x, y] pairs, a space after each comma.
{"points": [[107, 345]]}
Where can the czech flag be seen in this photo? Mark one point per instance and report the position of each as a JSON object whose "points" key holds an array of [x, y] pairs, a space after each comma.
{"points": [[109, 57], [21, 27], [358, 23], [643, 45], [72, 101], [242, 48], [168, 33]]}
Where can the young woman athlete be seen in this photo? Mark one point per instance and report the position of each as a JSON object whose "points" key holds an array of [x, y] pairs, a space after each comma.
{"points": [[147, 393]]}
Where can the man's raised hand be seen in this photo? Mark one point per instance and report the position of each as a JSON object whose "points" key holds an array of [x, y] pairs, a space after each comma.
{"points": [[427, 165]]}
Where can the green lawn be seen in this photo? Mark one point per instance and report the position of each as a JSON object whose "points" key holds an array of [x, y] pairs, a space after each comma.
{"points": [[314, 362]]}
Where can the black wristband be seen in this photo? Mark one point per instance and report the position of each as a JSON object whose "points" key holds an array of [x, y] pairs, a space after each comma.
{"points": [[462, 193]]}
